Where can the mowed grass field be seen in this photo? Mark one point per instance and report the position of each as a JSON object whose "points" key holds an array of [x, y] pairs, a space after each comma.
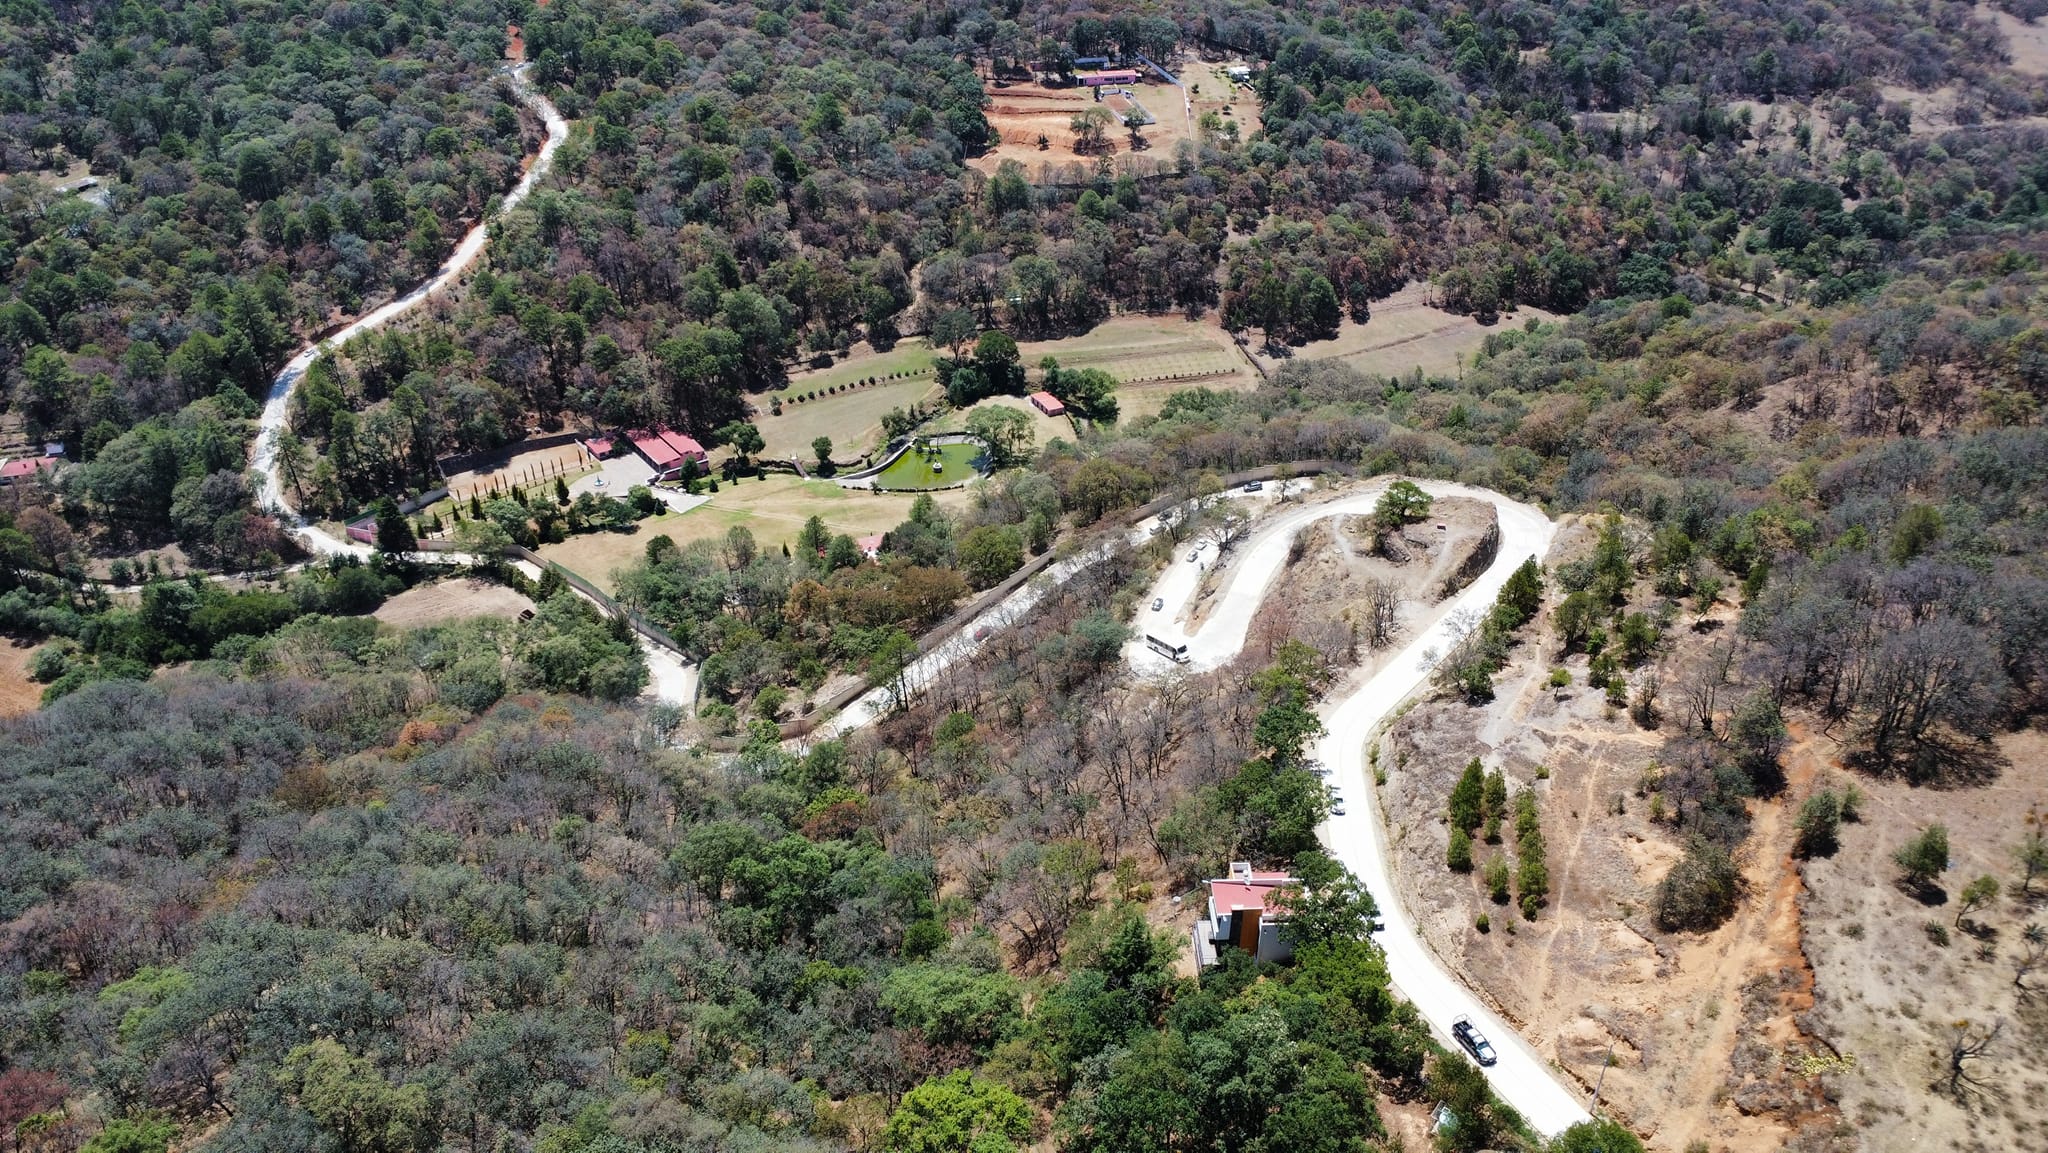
{"points": [[774, 510], [913, 471], [912, 355], [1138, 350], [852, 419]]}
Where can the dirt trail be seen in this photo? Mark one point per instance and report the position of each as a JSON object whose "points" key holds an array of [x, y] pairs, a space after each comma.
{"points": [[1762, 941]]}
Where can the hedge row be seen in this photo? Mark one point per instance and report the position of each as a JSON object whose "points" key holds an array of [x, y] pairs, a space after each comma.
{"points": [[863, 382], [1172, 376]]}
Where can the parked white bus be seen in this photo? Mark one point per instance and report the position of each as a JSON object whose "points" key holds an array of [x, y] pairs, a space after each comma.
{"points": [[1175, 653]]}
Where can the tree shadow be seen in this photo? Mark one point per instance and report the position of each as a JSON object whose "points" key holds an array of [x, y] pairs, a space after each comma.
{"points": [[1929, 894], [1939, 761]]}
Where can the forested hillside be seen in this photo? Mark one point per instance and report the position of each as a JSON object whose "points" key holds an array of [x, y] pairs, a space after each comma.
{"points": [[278, 876]]}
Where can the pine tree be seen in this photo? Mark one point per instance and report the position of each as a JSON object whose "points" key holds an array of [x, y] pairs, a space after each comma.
{"points": [[1467, 797]]}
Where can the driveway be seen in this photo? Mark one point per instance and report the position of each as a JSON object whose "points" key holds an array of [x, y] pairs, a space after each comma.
{"points": [[617, 476]]}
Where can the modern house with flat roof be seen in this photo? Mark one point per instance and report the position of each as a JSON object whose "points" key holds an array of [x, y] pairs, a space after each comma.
{"points": [[1110, 76], [1245, 912]]}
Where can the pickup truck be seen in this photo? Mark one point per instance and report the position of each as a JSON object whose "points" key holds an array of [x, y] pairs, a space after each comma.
{"points": [[1473, 1040]]}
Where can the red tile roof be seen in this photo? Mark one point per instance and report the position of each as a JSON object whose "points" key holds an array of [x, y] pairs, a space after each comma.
{"points": [[26, 465]]}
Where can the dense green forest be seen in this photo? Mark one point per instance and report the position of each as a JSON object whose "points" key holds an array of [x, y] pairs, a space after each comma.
{"points": [[285, 879], [338, 894]]}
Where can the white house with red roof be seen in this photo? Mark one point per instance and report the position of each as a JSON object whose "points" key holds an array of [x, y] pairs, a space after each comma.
{"points": [[1245, 912]]}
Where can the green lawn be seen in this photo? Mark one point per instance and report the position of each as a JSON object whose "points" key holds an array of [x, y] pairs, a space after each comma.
{"points": [[913, 471]]}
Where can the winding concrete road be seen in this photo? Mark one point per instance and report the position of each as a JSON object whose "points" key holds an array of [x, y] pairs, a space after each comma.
{"points": [[1351, 715], [277, 407], [670, 679]]}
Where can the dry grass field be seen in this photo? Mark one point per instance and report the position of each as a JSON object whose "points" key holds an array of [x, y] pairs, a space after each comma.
{"points": [[774, 510], [18, 694], [1138, 350], [2026, 43], [451, 600], [1406, 333]]}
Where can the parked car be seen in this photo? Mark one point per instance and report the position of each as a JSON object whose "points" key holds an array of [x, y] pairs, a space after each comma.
{"points": [[1336, 806], [1158, 603], [1254, 485], [1473, 1040], [981, 634], [1195, 556]]}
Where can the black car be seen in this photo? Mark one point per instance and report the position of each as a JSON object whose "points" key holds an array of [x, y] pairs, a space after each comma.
{"points": [[1473, 1040]]}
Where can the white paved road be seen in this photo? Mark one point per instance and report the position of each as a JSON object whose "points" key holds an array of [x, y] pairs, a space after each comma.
{"points": [[1351, 715], [671, 680], [277, 407]]}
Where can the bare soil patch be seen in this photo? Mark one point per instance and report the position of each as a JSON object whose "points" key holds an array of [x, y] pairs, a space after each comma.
{"points": [[1888, 995], [18, 694], [451, 600], [1022, 112], [1322, 595], [533, 467], [2026, 43], [1703, 1028]]}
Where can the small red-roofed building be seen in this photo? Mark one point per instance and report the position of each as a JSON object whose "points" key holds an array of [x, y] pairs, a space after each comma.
{"points": [[1246, 910], [1047, 403], [870, 546], [22, 468]]}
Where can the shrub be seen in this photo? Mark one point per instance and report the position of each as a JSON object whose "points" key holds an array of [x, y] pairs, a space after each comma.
{"points": [[1819, 824], [1923, 858], [1484, 923], [1700, 891]]}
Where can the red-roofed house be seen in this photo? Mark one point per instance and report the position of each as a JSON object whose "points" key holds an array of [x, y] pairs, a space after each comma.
{"points": [[665, 451], [1047, 403], [1245, 911], [1109, 76], [870, 546], [599, 446], [22, 468]]}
